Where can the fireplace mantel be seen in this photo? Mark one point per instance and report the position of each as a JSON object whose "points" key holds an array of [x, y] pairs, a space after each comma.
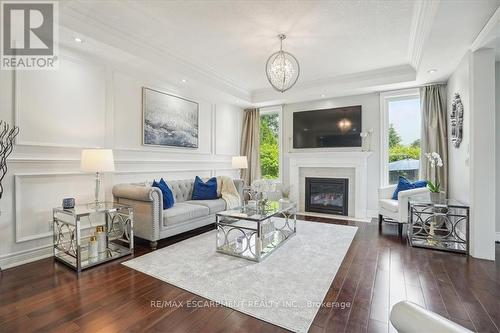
{"points": [[356, 160]]}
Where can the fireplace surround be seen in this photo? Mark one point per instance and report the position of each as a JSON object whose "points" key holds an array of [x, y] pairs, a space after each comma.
{"points": [[337, 159], [327, 195]]}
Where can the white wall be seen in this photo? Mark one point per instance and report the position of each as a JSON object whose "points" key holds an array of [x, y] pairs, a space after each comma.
{"points": [[370, 104], [483, 211], [91, 103], [472, 166], [459, 158]]}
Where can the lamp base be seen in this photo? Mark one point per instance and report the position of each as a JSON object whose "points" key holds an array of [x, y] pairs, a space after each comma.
{"points": [[95, 205]]}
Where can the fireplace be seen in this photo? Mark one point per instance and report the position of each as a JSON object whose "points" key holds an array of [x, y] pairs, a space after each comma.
{"points": [[327, 195]]}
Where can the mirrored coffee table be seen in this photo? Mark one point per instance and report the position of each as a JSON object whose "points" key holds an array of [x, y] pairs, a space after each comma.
{"points": [[254, 234]]}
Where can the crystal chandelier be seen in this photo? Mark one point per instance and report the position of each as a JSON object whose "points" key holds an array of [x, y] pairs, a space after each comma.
{"points": [[282, 68]]}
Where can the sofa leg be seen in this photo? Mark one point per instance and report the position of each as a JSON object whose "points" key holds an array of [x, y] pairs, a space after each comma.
{"points": [[400, 229], [153, 245]]}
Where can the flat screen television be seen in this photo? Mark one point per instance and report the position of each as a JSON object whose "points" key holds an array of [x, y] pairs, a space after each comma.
{"points": [[338, 127]]}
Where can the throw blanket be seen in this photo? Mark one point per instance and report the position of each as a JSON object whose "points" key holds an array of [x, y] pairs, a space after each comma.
{"points": [[228, 192]]}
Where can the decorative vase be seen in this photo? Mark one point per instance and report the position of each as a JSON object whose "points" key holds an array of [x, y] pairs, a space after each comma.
{"points": [[283, 203], [101, 239], [93, 247], [437, 197]]}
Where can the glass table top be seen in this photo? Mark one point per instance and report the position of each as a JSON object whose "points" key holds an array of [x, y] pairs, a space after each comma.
{"points": [[254, 214], [425, 199], [92, 208]]}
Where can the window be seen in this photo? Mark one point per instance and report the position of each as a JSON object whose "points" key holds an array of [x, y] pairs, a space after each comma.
{"points": [[401, 124], [270, 143]]}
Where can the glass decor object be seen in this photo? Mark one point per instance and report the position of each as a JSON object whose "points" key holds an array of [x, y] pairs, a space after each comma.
{"points": [[282, 69]]}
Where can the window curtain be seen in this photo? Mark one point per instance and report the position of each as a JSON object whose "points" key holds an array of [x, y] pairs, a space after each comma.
{"points": [[434, 132], [250, 145]]}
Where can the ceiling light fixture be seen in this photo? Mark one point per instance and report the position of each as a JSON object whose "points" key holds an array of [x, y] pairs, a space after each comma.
{"points": [[282, 68], [432, 71], [344, 125], [78, 40]]}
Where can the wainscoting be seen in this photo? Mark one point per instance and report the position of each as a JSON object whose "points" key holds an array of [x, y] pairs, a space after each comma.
{"points": [[89, 103]]}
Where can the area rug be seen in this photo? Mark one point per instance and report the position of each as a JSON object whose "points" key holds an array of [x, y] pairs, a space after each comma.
{"points": [[286, 289]]}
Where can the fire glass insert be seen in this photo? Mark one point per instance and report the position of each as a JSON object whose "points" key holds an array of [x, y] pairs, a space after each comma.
{"points": [[327, 195]]}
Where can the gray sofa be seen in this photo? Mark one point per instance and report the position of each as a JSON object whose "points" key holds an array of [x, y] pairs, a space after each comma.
{"points": [[153, 223]]}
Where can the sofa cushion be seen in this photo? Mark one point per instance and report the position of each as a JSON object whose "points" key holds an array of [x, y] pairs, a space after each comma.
{"points": [[214, 206], [204, 190], [404, 185], [389, 204], [168, 197], [182, 212]]}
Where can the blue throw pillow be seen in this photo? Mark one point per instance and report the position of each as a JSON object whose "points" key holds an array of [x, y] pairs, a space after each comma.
{"points": [[404, 184], [204, 191], [168, 196]]}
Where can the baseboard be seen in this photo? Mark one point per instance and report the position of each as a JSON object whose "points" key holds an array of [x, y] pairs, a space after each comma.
{"points": [[336, 217], [372, 213], [24, 257]]}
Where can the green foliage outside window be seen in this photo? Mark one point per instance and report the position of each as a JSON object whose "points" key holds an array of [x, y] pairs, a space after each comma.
{"points": [[269, 146], [398, 151]]}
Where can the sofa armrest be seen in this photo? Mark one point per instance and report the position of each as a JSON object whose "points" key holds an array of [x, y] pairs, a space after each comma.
{"points": [[409, 193], [386, 192], [136, 192], [147, 202], [408, 317]]}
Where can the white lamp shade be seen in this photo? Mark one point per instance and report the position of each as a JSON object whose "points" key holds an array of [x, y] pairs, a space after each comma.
{"points": [[240, 162], [97, 160]]}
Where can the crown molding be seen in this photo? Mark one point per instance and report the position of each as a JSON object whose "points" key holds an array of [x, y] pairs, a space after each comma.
{"points": [[75, 19], [423, 18], [489, 33], [358, 83]]}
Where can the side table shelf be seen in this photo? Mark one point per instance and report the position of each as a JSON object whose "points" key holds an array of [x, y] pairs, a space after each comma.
{"points": [[441, 226], [73, 227]]}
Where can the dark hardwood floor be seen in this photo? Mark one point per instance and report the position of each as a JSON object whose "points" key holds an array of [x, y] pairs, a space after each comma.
{"points": [[378, 271]]}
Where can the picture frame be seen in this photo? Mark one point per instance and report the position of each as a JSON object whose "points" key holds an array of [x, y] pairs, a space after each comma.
{"points": [[169, 120]]}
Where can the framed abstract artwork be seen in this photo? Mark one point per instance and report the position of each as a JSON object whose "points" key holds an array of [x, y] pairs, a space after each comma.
{"points": [[168, 120]]}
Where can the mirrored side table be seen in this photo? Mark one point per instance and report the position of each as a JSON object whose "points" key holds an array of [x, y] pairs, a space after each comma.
{"points": [[74, 227], [441, 226]]}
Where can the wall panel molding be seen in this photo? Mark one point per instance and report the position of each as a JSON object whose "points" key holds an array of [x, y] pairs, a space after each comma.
{"points": [[23, 224], [19, 79]]}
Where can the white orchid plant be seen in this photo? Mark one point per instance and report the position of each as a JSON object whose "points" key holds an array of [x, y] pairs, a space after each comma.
{"points": [[435, 162]]}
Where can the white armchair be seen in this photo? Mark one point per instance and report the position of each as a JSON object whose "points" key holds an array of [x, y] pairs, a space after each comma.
{"points": [[395, 211]]}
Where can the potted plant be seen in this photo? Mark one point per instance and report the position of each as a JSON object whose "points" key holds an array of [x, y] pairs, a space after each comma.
{"points": [[434, 186]]}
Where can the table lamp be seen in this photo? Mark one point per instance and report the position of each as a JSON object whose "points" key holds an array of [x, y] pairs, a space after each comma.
{"points": [[98, 161], [239, 162]]}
